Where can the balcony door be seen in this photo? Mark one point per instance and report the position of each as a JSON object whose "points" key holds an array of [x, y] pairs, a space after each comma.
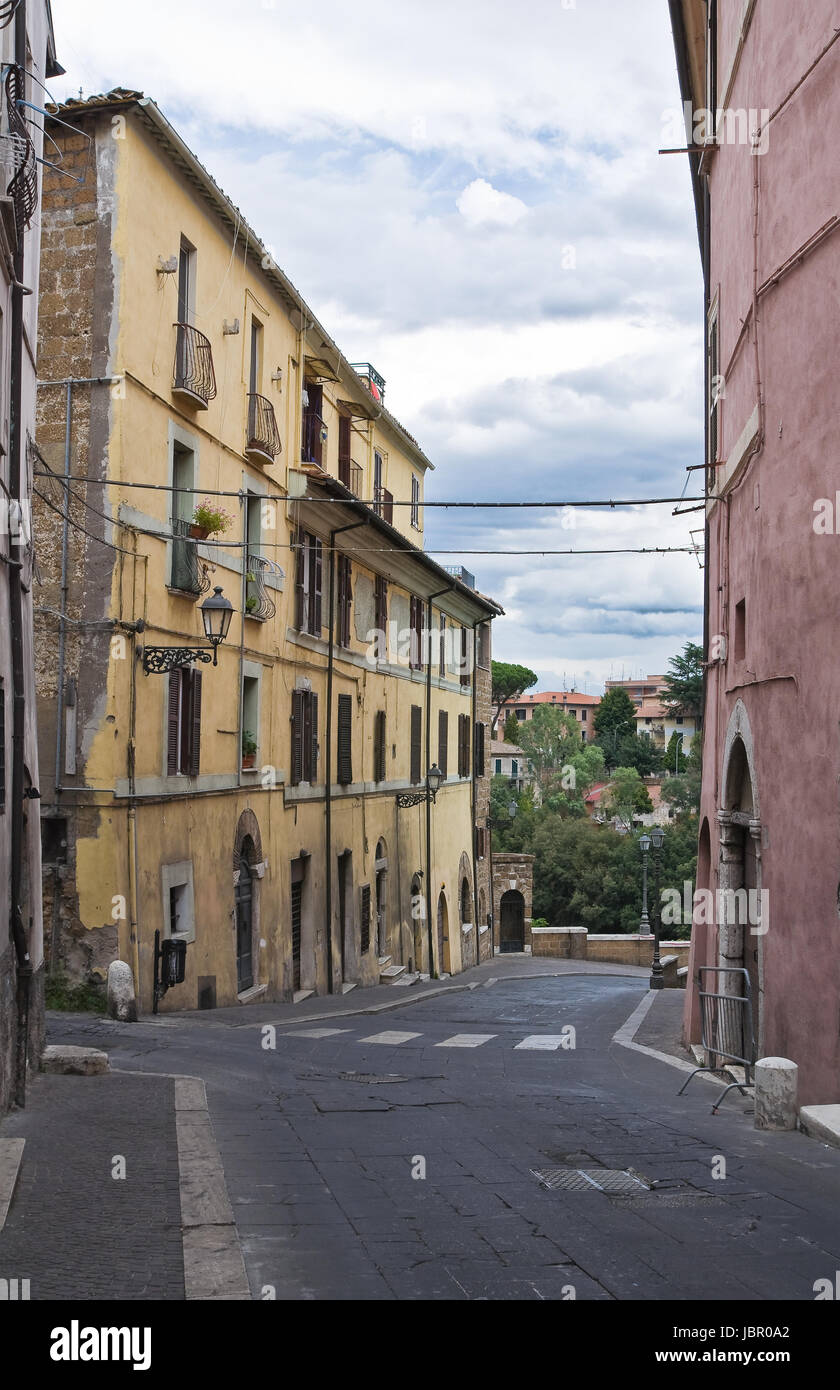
{"points": [[244, 920]]}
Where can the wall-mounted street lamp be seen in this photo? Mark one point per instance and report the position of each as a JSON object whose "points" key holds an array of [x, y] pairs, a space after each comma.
{"points": [[434, 780], [216, 613], [657, 977]]}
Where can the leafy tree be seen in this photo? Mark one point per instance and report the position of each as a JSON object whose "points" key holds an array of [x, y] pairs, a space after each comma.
{"points": [[511, 729], [549, 739], [616, 713], [627, 789], [516, 832], [683, 692], [508, 682], [683, 792], [676, 759]]}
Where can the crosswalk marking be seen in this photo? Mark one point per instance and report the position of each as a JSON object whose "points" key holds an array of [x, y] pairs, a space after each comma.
{"points": [[390, 1039], [466, 1040], [317, 1032], [542, 1042]]}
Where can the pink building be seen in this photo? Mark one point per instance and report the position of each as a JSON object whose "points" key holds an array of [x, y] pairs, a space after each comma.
{"points": [[769, 225], [581, 707]]}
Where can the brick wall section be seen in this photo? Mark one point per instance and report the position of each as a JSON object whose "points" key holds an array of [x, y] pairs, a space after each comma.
{"points": [[483, 690]]}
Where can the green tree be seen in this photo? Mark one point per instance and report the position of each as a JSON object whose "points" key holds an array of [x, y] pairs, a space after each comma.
{"points": [[676, 759], [511, 729], [683, 693], [683, 792], [616, 712], [627, 789], [549, 739], [508, 682], [512, 832]]}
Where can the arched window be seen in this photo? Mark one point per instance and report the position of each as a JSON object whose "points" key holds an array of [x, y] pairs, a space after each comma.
{"points": [[464, 904]]}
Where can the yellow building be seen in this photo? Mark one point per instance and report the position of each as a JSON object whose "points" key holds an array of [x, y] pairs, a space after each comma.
{"points": [[249, 807]]}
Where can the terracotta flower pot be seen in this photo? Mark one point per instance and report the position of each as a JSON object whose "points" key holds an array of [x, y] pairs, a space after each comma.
{"points": [[198, 533], [249, 759]]}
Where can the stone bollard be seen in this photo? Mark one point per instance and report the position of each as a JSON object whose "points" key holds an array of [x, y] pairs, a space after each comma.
{"points": [[121, 1002], [776, 1080]]}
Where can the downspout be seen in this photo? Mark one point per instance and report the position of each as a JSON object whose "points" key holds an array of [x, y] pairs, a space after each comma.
{"points": [[16, 546], [437, 594], [62, 626], [353, 526], [474, 785]]}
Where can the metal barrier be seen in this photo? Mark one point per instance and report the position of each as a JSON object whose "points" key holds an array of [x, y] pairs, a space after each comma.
{"points": [[728, 1034]]}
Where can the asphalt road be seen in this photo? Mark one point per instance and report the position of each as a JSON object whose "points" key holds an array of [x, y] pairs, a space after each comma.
{"points": [[395, 1156]]}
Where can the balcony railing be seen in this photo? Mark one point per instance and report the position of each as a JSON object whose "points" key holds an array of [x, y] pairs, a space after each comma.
{"points": [[193, 375], [263, 434], [351, 475], [257, 602], [189, 573], [19, 155], [314, 442]]}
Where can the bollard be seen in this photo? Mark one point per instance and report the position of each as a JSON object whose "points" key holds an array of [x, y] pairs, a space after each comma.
{"points": [[776, 1080], [121, 1002]]}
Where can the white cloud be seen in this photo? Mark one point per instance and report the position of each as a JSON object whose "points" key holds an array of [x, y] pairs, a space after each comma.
{"points": [[481, 203]]}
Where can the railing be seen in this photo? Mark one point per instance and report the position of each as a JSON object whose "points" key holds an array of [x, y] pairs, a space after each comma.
{"points": [[314, 439], [189, 572], [378, 498], [257, 602], [263, 434], [727, 1016], [194, 364], [20, 155]]}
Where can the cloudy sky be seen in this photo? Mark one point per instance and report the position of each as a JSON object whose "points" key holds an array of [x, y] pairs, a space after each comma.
{"points": [[470, 197]]}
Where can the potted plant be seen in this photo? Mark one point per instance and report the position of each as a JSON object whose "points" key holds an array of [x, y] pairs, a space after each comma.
{"points": [[251, 604], [207, 519], [249, 748]]}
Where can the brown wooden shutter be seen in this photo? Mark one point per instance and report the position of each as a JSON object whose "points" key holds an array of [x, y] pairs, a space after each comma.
{"points": [[297, 737], [344, 449], [416, 741], [443, 644], [364, 942], [465, 666], [345, 739], [195, 723], [172, 722], [316, 584], [388, 506], [300, 590], [479, 750], [443, 740], [379, 757], [310, 737], [344, 597], [463, 745]]}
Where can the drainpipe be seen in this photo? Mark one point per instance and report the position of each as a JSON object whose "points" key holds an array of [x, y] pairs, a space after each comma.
{"points": [[437, 594], [353, 526]]}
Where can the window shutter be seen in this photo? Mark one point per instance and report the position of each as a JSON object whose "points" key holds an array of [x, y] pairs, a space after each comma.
{"points": [[364, 943], [195, 723], [388, 506], [345, 735], [172, 722], [379, 747], [465, 664], [443, 740], [297, 737], [463, 745], [443, 644], [313, 741], [479, 750], [344, 448], [316, 581], [416, 736], [300, 590], [345, 596]]}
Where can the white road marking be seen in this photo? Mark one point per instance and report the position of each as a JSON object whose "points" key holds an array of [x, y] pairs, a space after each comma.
{"points": [[542, 1042], [466, 1040], [390, 1039], [317, 1032]]}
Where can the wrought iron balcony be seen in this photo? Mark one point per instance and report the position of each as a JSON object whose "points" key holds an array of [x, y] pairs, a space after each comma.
{"points": [[351, 475], [263, 444], [258, 604], [19, 154], [189, 573], [314, 442], [194, 378]]}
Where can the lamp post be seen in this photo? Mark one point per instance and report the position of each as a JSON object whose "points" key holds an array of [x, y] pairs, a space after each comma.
{"points": [[492, 823], [434, 781], [657, 836], [644, 923], [216, 613]]}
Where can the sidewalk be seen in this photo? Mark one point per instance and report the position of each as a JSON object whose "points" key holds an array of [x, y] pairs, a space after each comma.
{"points": [[74, 1230]]}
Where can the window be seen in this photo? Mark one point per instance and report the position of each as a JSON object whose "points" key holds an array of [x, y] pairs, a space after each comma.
{"points": [[377, 483], [463, 745], [484, 646], [254, 606], [480, 759], [679, 719], [345, 739], [464, 910], [184, 573], [186, 282], [345, 446], [514, 768], [465, 657], [255, 374], [583, 715], [443, 645], [713, 392], [344, 596], [498, 767], [178, 900], [379, 746], [443, 740], [314, 438], [380, 595], [415, 501], [183, 740], [304, 737], [740, 630], [308, 584], [364, 943], [521, 714], [416, 739], [415, 660], [250, 719]]}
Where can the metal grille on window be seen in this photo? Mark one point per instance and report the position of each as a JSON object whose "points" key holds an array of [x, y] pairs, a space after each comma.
{"points": [[364, 944]]}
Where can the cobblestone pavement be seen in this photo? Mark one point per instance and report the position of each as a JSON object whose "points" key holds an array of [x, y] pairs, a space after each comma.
{"points": [[403, 1167], [75, 1231]]}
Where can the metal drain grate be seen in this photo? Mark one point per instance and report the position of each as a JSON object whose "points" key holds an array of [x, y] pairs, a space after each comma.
{"points": [[590, 1179], [369, 1079]]}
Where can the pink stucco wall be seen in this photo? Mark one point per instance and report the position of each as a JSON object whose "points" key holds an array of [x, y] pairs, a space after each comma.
{"points": [[763, 548]]}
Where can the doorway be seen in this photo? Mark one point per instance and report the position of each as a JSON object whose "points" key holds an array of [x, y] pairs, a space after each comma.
{"points": [[244, 898], [511, 922], [444, 961]]}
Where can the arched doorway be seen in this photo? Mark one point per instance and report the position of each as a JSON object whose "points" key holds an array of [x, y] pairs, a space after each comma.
{"points": [[739, 928], [381, 882], [444, 959], [418, 922], [244, 918], [511, 922]]}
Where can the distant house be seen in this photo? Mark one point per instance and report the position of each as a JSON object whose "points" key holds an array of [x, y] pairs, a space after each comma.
{"points": [[583, 707], [507, 760]]}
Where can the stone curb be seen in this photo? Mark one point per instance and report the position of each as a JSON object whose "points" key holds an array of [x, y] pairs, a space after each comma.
{"points": [[213, 1263], [11, 1153]]}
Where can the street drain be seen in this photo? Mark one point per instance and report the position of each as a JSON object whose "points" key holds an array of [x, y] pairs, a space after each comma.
{"points": [[589, 1179], [368, 1079]]}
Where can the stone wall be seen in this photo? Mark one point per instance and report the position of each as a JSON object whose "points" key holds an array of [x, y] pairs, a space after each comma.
{"points": [[575, 943], [513, 872]]}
